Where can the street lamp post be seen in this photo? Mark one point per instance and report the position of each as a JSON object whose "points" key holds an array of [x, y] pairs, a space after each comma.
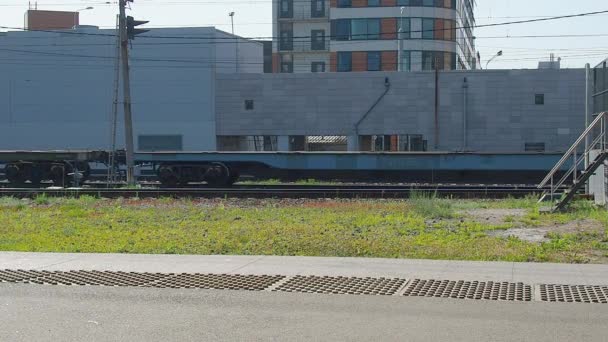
{"points": [[78, 11], [498, 54], [236, 41], [400, 42]]}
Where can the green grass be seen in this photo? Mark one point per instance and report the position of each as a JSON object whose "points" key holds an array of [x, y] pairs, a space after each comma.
{"points": [[422, 227]]}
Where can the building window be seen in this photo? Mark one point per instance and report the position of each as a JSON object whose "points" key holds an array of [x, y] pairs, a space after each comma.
{"points": [[286, 37], [317, 9], [286, 63], [341, 29], [405, 26], [374, 61], [373, 3], [365, 29], [344, 3], [248, 104], [317, 67], [286, 9], [428, 60], [160, 143], [539, 99], [406, 60], [428, 28], [535, 147], [318, 40], [345, 61]]}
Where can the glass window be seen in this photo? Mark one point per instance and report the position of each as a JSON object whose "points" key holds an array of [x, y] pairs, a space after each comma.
{"points": [[344, 3], [373, 3], [318, 40], [374, 61], [317, 9], [428, 60], [358, 29], [428, 28], [286, 42], [345, 61], [248, 104], [286, 63], [406, 60], [405, 25], [341, 29], [539, 99], [317, 67], [373, 29], [286, 9], [428, 3]]}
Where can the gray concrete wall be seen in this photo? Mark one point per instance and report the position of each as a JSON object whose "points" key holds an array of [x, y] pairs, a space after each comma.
{"points": [[56, 89], [501, 113]]}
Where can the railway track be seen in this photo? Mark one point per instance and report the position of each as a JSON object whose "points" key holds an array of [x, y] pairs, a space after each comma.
{"points": [[286, 191]]}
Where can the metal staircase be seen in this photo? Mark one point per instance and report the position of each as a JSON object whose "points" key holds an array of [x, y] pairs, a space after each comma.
{"points": [[576, 155]]}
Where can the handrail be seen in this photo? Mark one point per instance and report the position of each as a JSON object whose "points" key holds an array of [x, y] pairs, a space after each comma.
{"points": [[574, 146]]}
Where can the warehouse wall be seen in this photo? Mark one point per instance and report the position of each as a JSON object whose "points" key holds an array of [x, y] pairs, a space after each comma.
{"points": [[502, 114], [56, 89]]}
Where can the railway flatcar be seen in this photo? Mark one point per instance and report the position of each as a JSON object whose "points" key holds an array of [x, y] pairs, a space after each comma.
{"points": [[225, 168]]}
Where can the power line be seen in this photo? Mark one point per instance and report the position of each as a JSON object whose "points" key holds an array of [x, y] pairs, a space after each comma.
{"points": [[579, 15]]}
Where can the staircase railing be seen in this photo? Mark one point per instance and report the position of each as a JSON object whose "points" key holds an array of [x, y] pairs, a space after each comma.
{"points": [[552, 181]]}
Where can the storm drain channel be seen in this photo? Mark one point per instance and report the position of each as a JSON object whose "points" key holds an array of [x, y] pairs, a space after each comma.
{"points": [[466, 290]]}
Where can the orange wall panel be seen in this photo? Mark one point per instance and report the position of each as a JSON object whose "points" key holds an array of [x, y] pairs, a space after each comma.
{"points": [[359, 3], [359, 61], [388, 27], [333, 62], [276, 63], [333, 3], [389, 3], [389, 60]]}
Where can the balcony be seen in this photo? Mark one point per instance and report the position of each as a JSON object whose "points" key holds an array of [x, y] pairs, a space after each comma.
{"points": [[304, 45], [305, 15]]}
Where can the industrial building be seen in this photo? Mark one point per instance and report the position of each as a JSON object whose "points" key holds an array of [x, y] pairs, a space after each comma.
{"points": [[362, 35], [195, 95], [58, 88]]}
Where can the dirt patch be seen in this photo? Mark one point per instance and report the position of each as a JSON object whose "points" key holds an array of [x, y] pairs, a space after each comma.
{"points": [[531, 234], [495, 217], [539, 234]]}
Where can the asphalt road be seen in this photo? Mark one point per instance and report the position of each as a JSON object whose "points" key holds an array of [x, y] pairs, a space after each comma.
{"points": [[61, 313]]}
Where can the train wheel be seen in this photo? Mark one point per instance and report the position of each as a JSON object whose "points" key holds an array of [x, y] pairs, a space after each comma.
{"points": [[217, 175], [15, 174], [59, 174], [167, 176]]}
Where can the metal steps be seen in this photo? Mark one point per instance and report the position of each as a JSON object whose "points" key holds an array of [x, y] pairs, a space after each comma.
{"points": [[581, 167]]}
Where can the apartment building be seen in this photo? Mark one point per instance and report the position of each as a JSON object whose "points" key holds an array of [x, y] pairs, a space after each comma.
{"points": [[363, 35]]}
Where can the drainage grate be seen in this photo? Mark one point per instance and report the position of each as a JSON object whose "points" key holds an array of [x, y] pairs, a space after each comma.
{"points": [[469, 290], [574, 293], [217, 281], [342, 285], [16, 276]]}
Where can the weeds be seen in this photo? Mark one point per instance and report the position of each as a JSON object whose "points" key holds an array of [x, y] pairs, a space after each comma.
{"points": [[423, 227]]}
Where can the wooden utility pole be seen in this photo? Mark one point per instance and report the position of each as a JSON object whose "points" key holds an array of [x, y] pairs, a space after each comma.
{"points": [[124, 48]]}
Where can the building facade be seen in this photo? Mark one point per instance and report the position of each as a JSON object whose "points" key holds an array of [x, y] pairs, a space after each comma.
{"points": [[498, 111], [364, 35], [57, 88]]}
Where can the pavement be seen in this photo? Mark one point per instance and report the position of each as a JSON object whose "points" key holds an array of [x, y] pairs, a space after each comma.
{"points": [[30, 312], [531, 273]]}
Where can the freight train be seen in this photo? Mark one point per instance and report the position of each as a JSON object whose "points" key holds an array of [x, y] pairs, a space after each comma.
{"points": [[225, 168]]}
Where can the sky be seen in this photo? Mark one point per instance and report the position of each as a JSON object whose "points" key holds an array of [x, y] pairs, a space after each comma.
{"points": [[253, 19]]}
